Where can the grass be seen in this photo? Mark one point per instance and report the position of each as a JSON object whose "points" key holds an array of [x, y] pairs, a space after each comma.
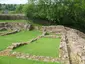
{"points": [[43, 47], [18, 37], [12, 60], [4, 31]]}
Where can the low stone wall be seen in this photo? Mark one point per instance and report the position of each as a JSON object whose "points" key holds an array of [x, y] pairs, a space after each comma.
{"points": [[12, 32], [54, 29], [5, 52], [52, 36], [15, 26], [12, 17], [34, 57], [63, 52]]}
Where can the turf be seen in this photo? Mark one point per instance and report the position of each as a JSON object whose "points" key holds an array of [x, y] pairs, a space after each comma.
{"points": [[18, 37], [12, 60], [43, 47]]}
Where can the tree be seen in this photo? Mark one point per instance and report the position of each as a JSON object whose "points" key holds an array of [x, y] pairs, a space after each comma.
{"points": [[19, 8], [66, 12]]}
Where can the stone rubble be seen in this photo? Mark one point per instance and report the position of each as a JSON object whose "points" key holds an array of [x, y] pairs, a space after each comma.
{"points": [[34, 57], [76, 45], [72, 48], [12, 32], [52, 36], [14, 27]]}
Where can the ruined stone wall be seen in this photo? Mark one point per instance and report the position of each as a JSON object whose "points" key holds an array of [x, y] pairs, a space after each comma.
{"points": [[15, 25], [53, 29], [72, 47], [12, 17], [77, 47], [63, 51]]}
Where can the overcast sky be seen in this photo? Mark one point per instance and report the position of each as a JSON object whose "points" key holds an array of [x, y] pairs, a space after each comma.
{"points": [[13, 1]]}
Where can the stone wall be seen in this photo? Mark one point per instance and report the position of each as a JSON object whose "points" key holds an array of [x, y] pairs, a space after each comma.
{"points": [[53, 29], [63, 52], [34, 57], [77, 47], [8, 33], [12, 17], [72, 47], [15, 25]]}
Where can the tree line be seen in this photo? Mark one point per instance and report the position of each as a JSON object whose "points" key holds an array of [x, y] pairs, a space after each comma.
{"points": [[64, 12], [13, 8]]}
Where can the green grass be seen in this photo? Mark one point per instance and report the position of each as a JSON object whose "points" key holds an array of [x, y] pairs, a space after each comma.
{"points": [[5, 31], [12, 20], [12, 60], [43, 47], [18, 37]]}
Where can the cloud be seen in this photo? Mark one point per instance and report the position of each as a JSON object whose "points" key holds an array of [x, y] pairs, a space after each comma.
{"points": [[13, 1]]}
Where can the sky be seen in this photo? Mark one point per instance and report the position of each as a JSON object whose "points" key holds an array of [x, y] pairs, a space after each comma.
{"points": [[13, 1]]}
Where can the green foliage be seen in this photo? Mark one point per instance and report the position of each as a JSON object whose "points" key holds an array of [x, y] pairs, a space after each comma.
{"points": [[66, 12], [29, 10], [19, 8]]}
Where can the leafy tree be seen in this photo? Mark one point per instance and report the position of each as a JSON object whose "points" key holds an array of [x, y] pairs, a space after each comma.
{"points": [[19, 8], [66, 12]]}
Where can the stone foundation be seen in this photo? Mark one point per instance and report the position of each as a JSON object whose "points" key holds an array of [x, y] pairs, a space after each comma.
{"points": [[15, 26], [34, 57], [72, 46]]}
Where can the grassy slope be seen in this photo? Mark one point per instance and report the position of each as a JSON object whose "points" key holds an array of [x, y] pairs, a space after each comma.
{"points": [[18, 37], [43, 46], [11, 60]]}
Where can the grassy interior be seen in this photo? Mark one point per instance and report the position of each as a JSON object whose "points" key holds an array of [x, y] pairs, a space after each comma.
{"points": [[43, 47], [18, 37]]}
